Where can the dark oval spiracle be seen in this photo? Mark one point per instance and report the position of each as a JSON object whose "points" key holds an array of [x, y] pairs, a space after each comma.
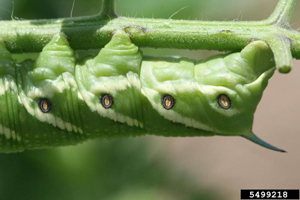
{"points": [[106, 101], [168, 101]]}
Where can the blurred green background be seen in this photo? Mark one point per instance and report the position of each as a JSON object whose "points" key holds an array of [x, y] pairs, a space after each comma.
{"points": [[132, 168]]}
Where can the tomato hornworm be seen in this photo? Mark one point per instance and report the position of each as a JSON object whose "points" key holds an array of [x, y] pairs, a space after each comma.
{"points": [[57, 100]]}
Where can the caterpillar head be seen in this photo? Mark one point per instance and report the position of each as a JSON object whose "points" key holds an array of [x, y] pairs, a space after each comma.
{"points": [[218, 95]]}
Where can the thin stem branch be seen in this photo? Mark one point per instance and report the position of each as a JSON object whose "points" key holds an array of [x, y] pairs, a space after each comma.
{"points": [[280, 46], [108, 9], [282, 13], [94, 32]]}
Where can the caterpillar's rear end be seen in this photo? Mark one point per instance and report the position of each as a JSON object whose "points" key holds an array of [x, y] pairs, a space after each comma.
{"points": [[217, 96]]}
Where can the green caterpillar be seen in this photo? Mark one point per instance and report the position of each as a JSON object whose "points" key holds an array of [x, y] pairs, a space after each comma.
{"points": [[57, 100]]}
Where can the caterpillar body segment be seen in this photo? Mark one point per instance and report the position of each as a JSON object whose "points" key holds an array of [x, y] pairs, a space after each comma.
{"points": [[10, 120], [57, 100], [104, 83]]}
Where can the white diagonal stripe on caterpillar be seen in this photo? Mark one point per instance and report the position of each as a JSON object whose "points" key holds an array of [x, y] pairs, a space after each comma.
{"points": [[172, 115], [47, 117], [54, 86], [88, 97], [8, 85], [9, 133], [113, 85]]}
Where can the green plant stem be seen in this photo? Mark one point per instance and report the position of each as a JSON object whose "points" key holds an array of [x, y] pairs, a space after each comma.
{"points": [[31, 36], [108, 9], [280, 46], [94, 31], [283, 13]]}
